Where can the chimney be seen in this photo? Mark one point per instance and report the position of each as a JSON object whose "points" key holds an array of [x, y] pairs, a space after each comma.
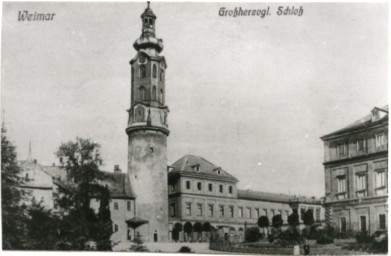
{"points": [[117, 169], [35, 161]]}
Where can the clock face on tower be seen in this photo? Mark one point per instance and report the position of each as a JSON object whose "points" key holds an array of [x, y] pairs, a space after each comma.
{"points": [[142, 59]]}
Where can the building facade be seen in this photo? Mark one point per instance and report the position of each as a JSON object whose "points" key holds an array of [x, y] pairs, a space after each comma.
{"points": [[356, 170], [42, 184], [147, 132], [202, 194]]}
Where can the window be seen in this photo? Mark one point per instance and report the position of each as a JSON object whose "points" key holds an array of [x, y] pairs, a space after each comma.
{"points": [[172, 209], [161, 74], [341, 187], [382, 221], [257, 214], [143, 72], [361, 145], [302, 212], [249, 212], [128, 205], [199, 186], [380, 140], [361, 185], [188, 184], [196, 168], [154, 71], [363, 223], [161, 96], [230, 189], [264, 212], [210, 210], [27, 177], [115, 228], [273, 212], [141, 93], [139, 114], [210, 187], [221, 208], [380, 182], [188, 209], [199, 210], [221, 188], [341, 149], [342, 224], [153, 96], [115, 206], [240, 212], [231, 211], [317, 214]]}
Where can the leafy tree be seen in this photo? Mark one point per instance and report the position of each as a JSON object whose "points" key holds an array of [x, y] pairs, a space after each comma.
{"points": [[293, 220], [80, 224], [308, 218], [42, 228], [188, 228], [105, 224], [252, 234], [277, 221], [12, 211], [263, 222], [198, 229]]}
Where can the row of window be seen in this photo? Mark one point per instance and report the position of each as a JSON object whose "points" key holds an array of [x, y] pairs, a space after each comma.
{"points": [[199, 185], [224, 211], [141, 94], [139, 115], [128, 206], [361, 145], [143, 72], [382, 223], [361, 184]]}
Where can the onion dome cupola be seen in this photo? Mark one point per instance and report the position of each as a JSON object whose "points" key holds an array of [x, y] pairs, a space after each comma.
{"points": [[147, 38]]}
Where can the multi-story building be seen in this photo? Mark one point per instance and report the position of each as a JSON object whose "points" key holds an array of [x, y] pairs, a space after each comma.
{"points": [[355, 166], [41, 183], [201, 192]]}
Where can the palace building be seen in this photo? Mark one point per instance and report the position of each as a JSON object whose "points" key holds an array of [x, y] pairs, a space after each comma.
{"points": [[152, 197], [356, 170]]}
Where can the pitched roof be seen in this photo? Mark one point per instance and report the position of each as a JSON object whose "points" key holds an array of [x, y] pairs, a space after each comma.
{"points": [[364, 122], [117, 183], [37, 178], [187, 165], [274, 197]]}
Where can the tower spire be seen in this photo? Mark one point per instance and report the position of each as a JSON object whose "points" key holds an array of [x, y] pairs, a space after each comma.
{"points": [[29, 156], [148, 2]]}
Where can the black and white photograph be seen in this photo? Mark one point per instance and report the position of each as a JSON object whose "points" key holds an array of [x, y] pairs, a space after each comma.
{"points": [[195, 127]]}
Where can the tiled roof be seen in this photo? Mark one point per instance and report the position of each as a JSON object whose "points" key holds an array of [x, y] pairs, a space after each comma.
{"points": [[364, 122], [188, 165], [117, 183], [274, 197]]}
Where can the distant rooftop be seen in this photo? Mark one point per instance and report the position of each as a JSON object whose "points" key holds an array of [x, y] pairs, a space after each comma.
{"points": [[198, 166], [275, 197]]}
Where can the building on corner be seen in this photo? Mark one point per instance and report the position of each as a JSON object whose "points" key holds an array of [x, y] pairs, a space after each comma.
{"points": [[356, 170]]}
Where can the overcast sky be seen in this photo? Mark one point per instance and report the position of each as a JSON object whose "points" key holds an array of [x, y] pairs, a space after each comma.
{"points": [[251, 95]]}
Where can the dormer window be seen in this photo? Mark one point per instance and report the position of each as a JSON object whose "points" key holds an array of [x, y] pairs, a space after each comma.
{"points": [[218, 171], [196, 168]]}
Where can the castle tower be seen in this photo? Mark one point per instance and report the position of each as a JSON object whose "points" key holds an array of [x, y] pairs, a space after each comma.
{"points": [[147, 132]]}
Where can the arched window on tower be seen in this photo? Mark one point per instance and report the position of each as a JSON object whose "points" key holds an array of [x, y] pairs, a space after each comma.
{"points": [[161, 96], [141, 93], [153, 93], [161, 74], [154, 71], [143, 72], [139, 114], [165, 118]]}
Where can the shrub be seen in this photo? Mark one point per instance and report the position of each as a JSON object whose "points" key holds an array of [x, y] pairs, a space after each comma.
{"points": [[185, 249], [363, 237], [252, 234], [293, 220], [277, 221], [326, 236]]}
